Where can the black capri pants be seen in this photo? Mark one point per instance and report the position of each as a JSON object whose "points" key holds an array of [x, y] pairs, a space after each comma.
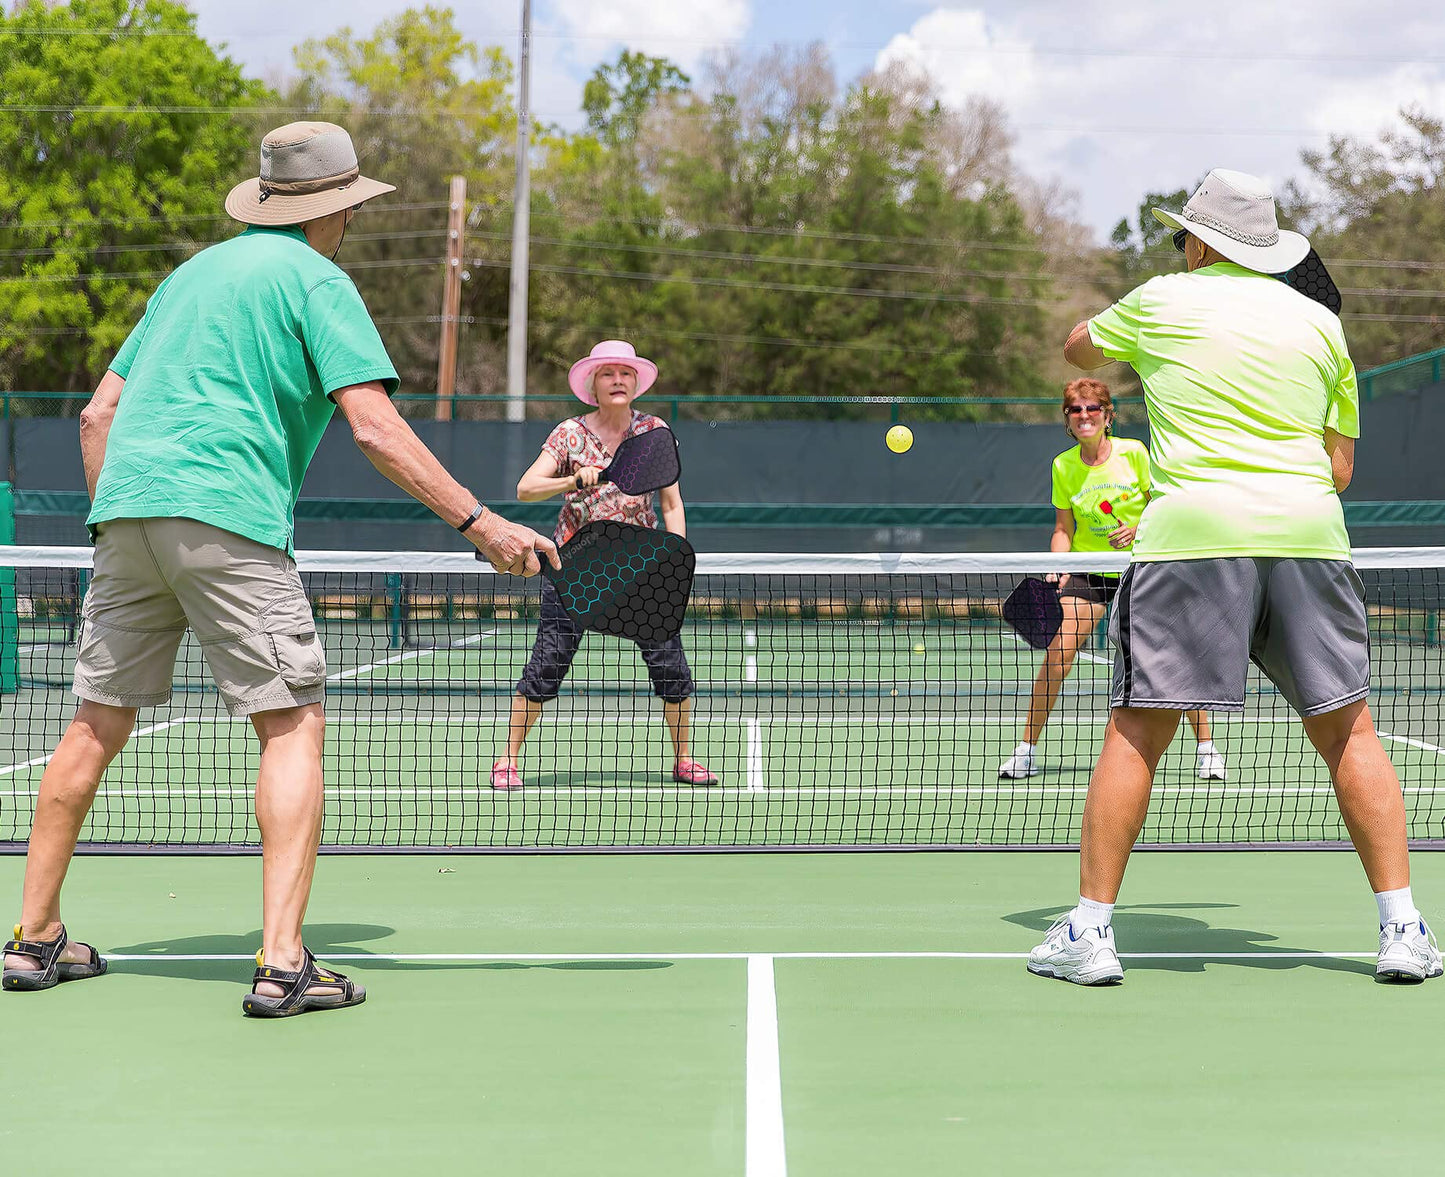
{"points": [[558, 638]]}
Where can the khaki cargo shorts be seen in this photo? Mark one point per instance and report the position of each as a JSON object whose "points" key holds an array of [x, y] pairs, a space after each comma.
{"points": [[243, 600]]}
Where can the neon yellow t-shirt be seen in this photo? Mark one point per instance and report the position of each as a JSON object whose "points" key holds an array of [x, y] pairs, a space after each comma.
{"points": [[1241, 375], [1105, 497]]}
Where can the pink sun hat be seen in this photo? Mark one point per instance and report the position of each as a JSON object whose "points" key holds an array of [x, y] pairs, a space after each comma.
{"points": [[609, 351]]}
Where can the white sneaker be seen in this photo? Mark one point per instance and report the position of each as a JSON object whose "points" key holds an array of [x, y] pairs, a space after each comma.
{"points": [[1085, 956], [1022, 763], [1408, 952], [1211, 766]]}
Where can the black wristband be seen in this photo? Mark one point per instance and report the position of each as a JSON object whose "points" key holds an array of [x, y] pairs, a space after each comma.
{"points": [[477, 512]]}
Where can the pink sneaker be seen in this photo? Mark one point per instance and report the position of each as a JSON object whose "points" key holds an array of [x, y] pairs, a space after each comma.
{"points": [[690, 772], [505, 776]]}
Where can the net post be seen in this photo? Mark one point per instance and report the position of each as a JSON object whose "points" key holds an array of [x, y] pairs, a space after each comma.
{"points": [[9, 606], [395, 609]]}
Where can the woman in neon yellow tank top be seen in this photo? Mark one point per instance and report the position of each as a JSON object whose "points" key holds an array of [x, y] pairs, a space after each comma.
{"points": [[1100, 489]]}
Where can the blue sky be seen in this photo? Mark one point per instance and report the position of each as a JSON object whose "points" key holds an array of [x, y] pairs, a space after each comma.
{"points": [[1111, 99]]}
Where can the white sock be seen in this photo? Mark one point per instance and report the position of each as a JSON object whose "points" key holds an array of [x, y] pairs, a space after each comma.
{"points": [[1207, 748], [1396, 907], [1025, 748], [1091, 915]]}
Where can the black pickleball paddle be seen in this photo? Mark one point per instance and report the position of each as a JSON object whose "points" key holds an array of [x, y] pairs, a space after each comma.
{"points": [[1312, 280], [644, 463], [1034, 611], [626, 580]]}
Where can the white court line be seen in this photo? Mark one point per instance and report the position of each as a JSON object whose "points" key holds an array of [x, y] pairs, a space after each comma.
{"points": [[704, 796], [7, 769], [482, 957], [752, 726], [757, 781], [850, 720], [766, 1156], [1439, 751], [408, 656]]}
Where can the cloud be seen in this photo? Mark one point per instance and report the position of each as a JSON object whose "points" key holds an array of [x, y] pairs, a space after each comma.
{"points": [[1365, 106], [966, 55], [684, 32], [1117, 101]]}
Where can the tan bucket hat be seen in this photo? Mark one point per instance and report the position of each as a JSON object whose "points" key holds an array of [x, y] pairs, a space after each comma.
{"points": [[1234, 213], [308, 170]]}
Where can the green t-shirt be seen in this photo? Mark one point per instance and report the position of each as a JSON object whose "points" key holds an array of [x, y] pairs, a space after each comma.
{"points": [[227, 386], [1241, 377], [1105, 497]]}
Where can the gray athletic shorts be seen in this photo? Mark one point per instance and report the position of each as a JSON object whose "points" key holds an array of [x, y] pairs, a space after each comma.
{"points": [[1185, 631], [243, 601]]}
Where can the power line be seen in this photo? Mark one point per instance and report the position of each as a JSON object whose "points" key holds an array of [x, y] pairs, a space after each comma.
{"points": [[780, 287], [36, 226], [411, 112], [181, 246], [380, 264], [972, 50]]}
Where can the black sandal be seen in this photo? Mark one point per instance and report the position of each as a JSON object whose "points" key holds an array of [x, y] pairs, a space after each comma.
{"points": [[52, 970], [295, 1000]]}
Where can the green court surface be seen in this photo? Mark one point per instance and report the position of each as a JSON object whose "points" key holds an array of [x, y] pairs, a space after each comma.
{"points": [[751, 1015], [823, 733]]}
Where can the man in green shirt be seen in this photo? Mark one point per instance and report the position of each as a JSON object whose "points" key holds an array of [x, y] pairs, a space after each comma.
{"points": [[1241, 555], [195, 446]]}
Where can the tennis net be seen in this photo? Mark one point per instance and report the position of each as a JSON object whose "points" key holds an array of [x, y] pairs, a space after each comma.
{"points": [[843, 701]]}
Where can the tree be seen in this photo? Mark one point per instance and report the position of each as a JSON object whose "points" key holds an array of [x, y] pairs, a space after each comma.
{"points": [[422, 104], [618, 96], [1377, 218], [803, 241], [115, 170]]}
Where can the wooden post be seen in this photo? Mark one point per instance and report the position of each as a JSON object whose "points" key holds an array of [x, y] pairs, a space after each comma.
{"points": [[451, 299]]}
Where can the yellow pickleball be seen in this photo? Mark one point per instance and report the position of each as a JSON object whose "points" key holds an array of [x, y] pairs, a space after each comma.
{"points": [[899, 439]]}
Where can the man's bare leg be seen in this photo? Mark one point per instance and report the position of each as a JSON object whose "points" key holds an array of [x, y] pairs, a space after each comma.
{"points": [[1118, 799], [1368, 792], [289, 806], [95, 736]]}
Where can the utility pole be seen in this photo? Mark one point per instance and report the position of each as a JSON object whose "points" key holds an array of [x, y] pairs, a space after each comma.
{"points": [[452, 299], [521, 230]]}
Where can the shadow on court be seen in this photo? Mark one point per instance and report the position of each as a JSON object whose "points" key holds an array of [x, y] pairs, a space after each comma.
{"points": [[1147, 928], [325, 940]]}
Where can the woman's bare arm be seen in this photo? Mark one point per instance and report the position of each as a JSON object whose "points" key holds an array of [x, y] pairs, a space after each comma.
{"points": [[541, 481], [674, 516]]}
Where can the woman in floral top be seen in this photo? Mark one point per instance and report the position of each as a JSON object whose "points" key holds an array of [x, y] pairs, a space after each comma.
{"points": [[572, 457]]}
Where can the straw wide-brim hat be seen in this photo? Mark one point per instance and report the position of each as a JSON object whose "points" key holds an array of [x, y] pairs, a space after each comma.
{"points": [[308, 170], [609, 351], [1233, 212]]}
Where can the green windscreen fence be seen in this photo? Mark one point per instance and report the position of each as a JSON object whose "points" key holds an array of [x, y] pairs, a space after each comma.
{"points": [[9, 615], [52, 518]]}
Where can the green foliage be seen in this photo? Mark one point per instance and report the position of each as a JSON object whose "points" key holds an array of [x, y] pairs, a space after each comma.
{"points": [[617, 97], [1381, 203], [422, 104], [781, 239], [96, 206], [1143, 248]]}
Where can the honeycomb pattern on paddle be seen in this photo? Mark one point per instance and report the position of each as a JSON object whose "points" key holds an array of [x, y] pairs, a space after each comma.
{"points": [[646, 461], [1312, 280], [626, 580]]}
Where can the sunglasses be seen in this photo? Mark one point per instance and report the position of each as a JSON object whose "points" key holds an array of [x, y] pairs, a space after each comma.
{"points": [[1179, 236], [1076, 410]]}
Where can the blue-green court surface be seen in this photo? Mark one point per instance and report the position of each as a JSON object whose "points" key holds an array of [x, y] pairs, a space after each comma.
{"points": [[744, 1014]]}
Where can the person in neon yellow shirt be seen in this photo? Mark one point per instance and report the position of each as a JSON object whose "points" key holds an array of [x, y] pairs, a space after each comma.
{"points": [[1241, 557], [1100, 489]]}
